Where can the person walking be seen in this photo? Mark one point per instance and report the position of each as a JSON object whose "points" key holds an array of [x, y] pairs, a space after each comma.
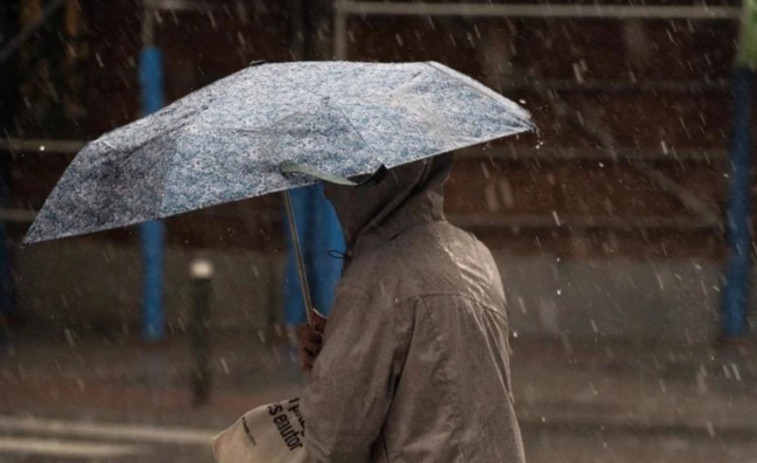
{"points": [[412, 364]]}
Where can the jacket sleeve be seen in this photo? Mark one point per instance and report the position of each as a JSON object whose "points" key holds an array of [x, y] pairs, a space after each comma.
{"points": [[352, 382]]}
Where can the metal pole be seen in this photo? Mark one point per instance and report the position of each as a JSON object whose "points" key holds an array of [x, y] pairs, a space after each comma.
{"points": [[202, 274], [151, 233], [544, 10], [299, 263], [736, 296]]}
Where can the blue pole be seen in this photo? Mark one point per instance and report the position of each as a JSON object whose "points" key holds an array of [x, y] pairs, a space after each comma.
{"points": [[152, 233], [327, 236], [319, 232], [737, 288]]}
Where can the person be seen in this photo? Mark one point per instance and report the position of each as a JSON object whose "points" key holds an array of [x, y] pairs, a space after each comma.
{"points": [[413, 363]]}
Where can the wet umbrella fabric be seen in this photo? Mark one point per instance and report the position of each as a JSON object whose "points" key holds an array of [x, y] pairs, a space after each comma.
{"points": [[227, 141]]}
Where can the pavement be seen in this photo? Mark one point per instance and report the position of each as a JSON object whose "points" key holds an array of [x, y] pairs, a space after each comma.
{"points": [[111, 398]]}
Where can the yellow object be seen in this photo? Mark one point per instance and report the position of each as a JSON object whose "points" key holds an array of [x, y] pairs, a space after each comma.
{"points": [[747, 54]]}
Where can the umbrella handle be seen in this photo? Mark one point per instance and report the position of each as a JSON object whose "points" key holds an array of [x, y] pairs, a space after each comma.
{"points": [[300, 261]]}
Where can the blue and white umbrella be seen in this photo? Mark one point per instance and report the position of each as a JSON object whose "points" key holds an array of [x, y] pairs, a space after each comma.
{"points": [[244, 135]]}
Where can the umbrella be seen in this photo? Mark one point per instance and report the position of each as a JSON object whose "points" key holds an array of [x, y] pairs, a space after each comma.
{"points": [[272, 127]]}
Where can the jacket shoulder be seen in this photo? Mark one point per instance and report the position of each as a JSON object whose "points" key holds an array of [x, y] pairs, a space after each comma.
{"points": [[429, 259]]}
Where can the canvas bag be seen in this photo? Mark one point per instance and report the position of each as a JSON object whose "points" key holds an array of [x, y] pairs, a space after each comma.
{"points": [[273, 433]]}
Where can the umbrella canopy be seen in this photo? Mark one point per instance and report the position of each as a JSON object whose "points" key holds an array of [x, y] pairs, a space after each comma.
{"points": [[229, 140]]}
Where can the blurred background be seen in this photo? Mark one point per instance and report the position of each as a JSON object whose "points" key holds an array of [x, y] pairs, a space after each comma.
{"points": [[622, 228]]}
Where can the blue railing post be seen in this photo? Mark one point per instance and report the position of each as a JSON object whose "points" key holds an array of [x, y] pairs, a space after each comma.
{"points": [[152, 233], [319, 233], [736, 296], [327, 236]]}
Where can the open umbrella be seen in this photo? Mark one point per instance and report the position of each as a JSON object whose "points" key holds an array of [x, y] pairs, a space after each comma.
{"points": [[268, 128]]}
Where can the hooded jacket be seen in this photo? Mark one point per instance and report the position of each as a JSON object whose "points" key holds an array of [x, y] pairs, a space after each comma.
{"points": [[414, 366]]}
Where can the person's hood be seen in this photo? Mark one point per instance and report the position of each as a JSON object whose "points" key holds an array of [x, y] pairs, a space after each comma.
{"points": [[409, 194]]}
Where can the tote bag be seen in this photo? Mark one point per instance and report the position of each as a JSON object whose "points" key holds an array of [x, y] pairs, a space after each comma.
{"points": [[273, 433]]}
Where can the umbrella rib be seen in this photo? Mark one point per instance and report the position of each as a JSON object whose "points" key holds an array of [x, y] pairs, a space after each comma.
{"points": [[349, 121], [169, 169], [186, 121], [341, 111], [517, 111]]}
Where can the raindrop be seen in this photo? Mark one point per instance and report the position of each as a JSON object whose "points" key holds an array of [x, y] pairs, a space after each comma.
{"points": [[577, 72], [701, 383], [506, 193], [69, 337], [491, 198], [659, 281], [485, 170], [736, 372], [522, 304]]}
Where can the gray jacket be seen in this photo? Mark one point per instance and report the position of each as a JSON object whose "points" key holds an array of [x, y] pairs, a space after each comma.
{"points": [[414, 366]]}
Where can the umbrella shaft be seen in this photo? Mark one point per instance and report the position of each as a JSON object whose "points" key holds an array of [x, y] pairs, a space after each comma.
{"points": [[298, 256]]}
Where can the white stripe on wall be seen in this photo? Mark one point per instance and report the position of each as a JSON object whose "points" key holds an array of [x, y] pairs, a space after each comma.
{"points": [[52, 447], [117, 431]]}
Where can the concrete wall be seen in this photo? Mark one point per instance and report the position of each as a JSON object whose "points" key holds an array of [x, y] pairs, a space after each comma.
{"points": [[84, 284], [80, 284], [673, 300]]}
